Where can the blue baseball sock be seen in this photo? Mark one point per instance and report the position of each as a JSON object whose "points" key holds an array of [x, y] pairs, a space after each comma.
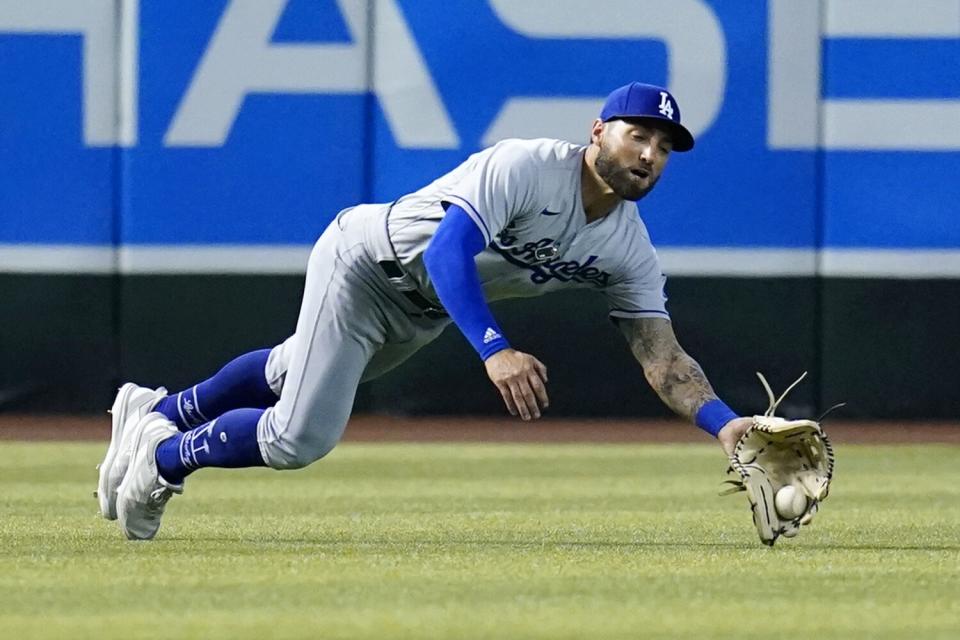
{"points": [[241, 383], [228, 442]]}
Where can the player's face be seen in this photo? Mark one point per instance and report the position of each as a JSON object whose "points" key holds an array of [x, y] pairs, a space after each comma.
{"points": [[632, 156]]}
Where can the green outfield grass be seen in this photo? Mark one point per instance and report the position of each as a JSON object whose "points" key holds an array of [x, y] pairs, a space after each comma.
{"points": [[482, 541]]}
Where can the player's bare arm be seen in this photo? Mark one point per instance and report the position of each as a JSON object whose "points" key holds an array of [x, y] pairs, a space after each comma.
{"points": [[521, 380], [676, 377], [673, 374]]}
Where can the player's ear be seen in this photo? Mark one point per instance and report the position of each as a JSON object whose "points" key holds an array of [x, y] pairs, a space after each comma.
{"points": [[596, 131]]}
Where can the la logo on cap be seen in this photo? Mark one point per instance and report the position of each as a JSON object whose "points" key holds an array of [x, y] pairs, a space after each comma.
{"points": [[665, 107]]}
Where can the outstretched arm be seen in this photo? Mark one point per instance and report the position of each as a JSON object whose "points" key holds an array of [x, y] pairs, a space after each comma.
{"points": [[678, 379]]}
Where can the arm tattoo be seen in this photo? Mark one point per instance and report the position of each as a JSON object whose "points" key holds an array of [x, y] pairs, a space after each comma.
{"points": [[674, 375]]}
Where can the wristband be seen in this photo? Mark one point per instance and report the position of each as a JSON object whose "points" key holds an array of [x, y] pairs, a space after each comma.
{"points": [[712, 416]]}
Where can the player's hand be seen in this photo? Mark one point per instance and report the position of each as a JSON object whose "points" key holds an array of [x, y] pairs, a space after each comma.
{"points": [[521, 380], [730, 434]]}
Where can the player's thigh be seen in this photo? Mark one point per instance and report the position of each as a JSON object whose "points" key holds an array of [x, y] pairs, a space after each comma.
{"points": [[338, 331], [315, 404], [321, 270], [392, 354]]}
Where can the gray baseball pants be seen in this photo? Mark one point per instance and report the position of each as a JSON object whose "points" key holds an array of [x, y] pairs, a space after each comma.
{"points": [[353, 326]]}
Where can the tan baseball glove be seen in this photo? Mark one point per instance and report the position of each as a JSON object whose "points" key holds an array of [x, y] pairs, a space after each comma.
{"points": [[785, 466]]}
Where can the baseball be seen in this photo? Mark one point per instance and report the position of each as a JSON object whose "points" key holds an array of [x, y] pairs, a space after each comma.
{"points": [[790, 502]]}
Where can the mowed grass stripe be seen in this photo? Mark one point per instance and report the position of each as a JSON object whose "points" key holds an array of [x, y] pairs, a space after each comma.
{"points": [[482, 541]]}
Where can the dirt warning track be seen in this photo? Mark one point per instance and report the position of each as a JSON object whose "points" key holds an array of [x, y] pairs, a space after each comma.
{"points": [[379, 428]]}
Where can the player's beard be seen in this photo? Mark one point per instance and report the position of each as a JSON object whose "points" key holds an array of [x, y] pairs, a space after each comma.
{"points": [[619, 178]]}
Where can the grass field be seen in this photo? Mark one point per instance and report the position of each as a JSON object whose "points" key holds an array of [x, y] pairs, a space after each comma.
{"points": [[482, 541]]}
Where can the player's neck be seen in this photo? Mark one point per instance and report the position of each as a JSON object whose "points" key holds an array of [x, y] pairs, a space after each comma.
{"points": [[598, 198]]}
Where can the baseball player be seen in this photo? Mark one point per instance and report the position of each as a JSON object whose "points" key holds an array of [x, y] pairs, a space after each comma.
{"points": [[520, 219]]}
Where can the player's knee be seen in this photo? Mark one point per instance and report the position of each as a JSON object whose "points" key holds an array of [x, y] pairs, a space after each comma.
{"points": [[294, 448], [303, 454]]}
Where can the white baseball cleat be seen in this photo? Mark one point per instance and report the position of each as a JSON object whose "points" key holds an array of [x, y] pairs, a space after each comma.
{"points": [[132, 403], [143, 494]]}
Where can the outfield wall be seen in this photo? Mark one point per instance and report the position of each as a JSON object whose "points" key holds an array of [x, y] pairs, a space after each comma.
{"points": [[166, 164]]}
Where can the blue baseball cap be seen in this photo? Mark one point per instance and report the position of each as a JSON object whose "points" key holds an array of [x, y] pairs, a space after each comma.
{"points": [[648, 102]]}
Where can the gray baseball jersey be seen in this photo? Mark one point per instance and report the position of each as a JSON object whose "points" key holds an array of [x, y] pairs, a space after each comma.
{"points": [[524, 195], [355, 323]]}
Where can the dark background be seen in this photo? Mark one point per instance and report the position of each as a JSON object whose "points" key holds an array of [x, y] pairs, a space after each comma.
{"points": [[886, 347]]}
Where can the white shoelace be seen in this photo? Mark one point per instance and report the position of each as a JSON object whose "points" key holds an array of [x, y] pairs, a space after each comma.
{"points": [[158, 498]]}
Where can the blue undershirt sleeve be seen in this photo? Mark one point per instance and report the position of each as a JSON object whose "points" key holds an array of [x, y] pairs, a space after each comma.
{"points": [[449, 259]]}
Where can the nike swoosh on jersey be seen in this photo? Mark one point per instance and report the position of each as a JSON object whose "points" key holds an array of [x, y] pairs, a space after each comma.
{"points": [[546, 212]]}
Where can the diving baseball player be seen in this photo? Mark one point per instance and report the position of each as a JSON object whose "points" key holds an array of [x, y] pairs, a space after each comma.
{"points": [[520, 219]]}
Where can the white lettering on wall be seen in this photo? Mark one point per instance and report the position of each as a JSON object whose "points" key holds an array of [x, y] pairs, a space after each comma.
{"points": [[799, 118], [110, 83], [696, 59], [240, 59]]}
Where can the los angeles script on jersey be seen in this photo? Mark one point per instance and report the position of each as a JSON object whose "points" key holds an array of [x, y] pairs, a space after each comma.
{"points": [[536, 257]]}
